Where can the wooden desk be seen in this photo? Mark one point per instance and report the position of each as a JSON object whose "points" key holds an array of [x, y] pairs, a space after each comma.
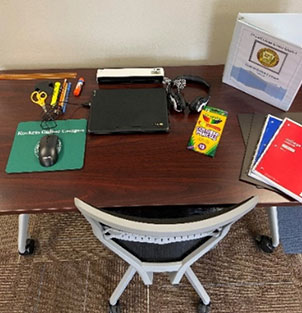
{"points": [[140, 169], [137, 169]]}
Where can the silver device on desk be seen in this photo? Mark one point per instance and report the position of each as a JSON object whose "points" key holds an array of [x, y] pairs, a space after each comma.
{"points": [[130, 75]]}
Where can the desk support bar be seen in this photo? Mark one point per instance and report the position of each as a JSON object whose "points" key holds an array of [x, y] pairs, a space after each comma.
{"points": [[273, 224], [265, 243], [25, 245]]}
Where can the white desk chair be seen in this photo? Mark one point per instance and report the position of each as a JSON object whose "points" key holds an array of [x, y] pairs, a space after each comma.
{"points": [[162, 239]]}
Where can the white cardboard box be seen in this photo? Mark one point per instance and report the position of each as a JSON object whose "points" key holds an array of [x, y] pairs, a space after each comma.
{"points": [[265, 57]]}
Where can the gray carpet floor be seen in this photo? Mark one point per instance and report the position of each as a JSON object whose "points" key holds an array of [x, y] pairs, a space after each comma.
{"points": [[71, 271]]}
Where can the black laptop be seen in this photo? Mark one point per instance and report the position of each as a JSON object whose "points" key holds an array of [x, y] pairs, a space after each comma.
{"points": [[128, 110]]}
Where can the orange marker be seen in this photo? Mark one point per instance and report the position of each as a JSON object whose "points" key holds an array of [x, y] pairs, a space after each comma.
{"points": [[79, 86], [63, 92]]}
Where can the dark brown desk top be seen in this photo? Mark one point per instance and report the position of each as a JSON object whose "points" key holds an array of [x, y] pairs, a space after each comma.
{"points": [[135, 169]]}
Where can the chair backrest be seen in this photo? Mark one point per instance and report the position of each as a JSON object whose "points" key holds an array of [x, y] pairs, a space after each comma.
{"points": [[167, 228]]}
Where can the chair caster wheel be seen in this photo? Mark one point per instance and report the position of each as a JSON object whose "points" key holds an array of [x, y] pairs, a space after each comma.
{"points": [[203, 308], [265, 244], [115, 308], [29, 247]]}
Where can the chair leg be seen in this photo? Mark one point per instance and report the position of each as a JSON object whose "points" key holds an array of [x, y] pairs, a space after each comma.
{"points": [[197, 286], [122, 285]]}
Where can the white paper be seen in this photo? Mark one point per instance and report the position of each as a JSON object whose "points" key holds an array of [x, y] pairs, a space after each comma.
{"points": [[261, 62]]}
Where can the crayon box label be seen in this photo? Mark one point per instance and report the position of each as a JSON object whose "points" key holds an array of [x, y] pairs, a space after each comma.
{"points": [[208, 130]]}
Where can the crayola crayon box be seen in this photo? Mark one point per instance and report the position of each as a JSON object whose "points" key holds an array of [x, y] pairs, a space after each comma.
{"points": [[207, 131]]}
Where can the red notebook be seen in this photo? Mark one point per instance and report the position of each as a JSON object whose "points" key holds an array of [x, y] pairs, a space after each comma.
{"points": [[281, 163]]}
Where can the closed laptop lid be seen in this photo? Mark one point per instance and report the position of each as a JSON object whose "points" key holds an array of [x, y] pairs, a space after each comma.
{"points": [[128, 111]]}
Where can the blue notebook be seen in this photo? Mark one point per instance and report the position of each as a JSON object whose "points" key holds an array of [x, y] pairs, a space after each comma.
{"points": [[270, 127]]}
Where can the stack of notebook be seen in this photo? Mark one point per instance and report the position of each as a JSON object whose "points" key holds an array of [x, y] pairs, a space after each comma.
{"points": [[274, 152]]}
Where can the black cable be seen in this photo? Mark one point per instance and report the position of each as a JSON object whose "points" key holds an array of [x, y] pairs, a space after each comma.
{"points": [[85, 105], [48, 118]]}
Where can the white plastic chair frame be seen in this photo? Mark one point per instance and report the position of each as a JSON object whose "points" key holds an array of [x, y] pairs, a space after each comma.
{"points": [[219, 225]]}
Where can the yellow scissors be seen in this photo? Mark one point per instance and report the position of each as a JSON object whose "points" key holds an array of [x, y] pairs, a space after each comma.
{"points": [[39, 97]]}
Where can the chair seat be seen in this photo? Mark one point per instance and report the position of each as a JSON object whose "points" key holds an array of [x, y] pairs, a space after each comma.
{"points": [[169, 214]]}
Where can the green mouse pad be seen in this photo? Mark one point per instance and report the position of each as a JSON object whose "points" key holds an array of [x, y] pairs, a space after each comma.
{"points": [[24, 155]]}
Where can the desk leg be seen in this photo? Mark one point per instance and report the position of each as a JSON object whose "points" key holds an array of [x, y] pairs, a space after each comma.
{"points": [[273, 221], [266, 243], [25, 245]]}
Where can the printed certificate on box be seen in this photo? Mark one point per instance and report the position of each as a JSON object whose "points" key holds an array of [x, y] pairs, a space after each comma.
{"points": [[262, 62]]}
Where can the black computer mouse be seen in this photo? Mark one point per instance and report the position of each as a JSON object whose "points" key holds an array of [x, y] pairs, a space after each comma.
{"points": [[48, 150]]}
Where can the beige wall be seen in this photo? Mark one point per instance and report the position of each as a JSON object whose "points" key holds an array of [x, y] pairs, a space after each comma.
{"points": [[97, 33]]}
